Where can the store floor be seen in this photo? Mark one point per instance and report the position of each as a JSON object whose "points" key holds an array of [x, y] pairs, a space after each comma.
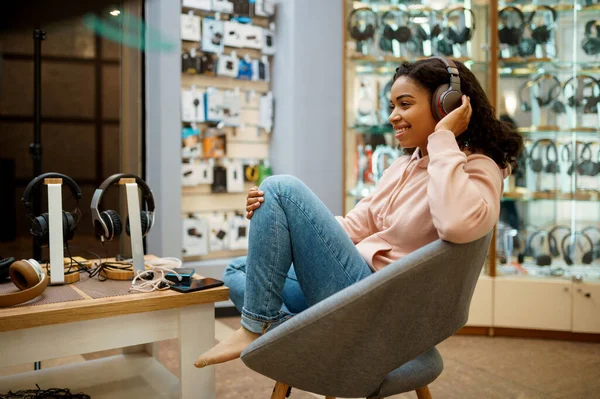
{"points": [[475, 368]]}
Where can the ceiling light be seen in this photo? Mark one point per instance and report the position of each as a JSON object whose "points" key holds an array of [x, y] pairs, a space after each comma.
{"points": [[114, 13]]}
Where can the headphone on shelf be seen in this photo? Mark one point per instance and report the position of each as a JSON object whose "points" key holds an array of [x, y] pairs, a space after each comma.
{"points": [[542, 33], [108, 223], [596, 229], [552, 165], [591, 44], [553, 242], [586, 166], [569, 157], [586, 258], [511, 35], [368, 31], [28, 276], [536, 164], [447, 97], [541, 258], [40, 225], [550, 98], [578, 99], [401, 33], [464, 35]]}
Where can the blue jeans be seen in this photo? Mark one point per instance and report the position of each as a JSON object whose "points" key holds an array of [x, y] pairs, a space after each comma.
{"points": [[291, 226]]}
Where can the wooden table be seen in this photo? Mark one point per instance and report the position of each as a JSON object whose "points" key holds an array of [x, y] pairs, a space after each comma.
{"points": [[35, 333]]}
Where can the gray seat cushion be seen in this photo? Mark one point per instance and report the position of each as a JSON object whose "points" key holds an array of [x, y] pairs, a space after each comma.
{"points": [[412, 375]]}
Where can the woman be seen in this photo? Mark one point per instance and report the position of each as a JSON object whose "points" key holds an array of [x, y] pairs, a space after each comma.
{"points": [[448, 186]]}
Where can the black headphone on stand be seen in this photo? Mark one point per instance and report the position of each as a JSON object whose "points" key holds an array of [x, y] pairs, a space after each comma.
{"points": [[552, 96], [542, 33], [447, 97], [578, 99], [586, 258], [402, 33], [553, 242], [586, 166], [507, 34], [552, 165], [464, 35], [368, 31], [591, 44], [40, 226], [108, 223], [536, 164], [543, 259], [596, 250], [569, 157]]}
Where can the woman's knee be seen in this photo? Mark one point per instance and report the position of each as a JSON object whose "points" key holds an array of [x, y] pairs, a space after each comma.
{"points": [[282, 183], [236, 267]]}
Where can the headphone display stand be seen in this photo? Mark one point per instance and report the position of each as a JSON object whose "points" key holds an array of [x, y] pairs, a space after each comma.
{"points": [[135, 224], [55, 227]]}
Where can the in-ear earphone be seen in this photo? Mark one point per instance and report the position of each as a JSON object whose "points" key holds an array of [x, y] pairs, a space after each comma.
{"points": [[40, 226], [108, 223]]}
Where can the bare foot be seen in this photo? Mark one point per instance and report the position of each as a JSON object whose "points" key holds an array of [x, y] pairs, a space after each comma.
{"points": [[229, 349]]}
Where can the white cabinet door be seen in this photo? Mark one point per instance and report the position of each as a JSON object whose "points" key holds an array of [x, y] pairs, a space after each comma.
{"points": [[586, 307], [540, 304], [480, 312]]}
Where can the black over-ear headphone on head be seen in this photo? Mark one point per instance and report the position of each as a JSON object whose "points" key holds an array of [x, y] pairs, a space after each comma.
{"points": [[586, 258], [541, 33], [464, 35], [591, 43], [447, 97], [108, 223], [40, 225], [509, 34], [368, 30]]}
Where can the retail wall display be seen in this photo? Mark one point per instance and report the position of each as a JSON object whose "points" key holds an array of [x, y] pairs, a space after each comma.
{"points": [[227, 116], [543, 78], [400, 30], [190, 27]]}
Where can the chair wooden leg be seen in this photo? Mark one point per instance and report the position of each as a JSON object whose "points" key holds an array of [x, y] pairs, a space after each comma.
{"points": [[281, 391], [423, 393]]}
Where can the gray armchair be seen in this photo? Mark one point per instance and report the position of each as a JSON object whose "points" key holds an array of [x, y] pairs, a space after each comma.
{"points": [[376, 338]]}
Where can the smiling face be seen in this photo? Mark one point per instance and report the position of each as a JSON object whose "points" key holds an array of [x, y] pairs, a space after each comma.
{"points": [[411, 116]]}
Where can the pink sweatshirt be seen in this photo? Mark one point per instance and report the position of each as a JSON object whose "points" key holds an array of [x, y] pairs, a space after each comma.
{"points": [[449, 194]]}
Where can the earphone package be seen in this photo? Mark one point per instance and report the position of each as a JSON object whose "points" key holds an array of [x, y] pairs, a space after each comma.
{"points": [[264, 8], [235, 176], [268, 42], [239, 230], [234, 34], [195, 235], [252, 37], [190, 27], [228, 65], [218, 232], [213, 104], [190, 143], [222, 6], [198, 4], [212, 36], [232, 107], [192, 105]]}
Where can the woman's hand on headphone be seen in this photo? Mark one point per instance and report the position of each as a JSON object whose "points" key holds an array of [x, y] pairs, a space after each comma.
{"points": [[457, 121], [255, 197]]}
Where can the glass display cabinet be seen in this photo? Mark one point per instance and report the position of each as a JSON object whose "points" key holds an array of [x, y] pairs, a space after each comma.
{"points": [[540, 66]]}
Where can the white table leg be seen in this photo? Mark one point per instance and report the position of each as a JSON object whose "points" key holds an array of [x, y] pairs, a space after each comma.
{"points": [[196, 336]]}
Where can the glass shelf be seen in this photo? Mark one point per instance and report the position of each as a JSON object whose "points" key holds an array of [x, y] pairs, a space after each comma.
{"points": [[518, 66], [543, 131], [523, 195], [376, 129]]}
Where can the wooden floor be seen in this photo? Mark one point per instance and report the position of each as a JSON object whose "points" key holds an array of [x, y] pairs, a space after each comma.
{"points": [[475, 367]]}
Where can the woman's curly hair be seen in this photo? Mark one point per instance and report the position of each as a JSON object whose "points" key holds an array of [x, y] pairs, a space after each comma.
{"points": [[485, 134]]}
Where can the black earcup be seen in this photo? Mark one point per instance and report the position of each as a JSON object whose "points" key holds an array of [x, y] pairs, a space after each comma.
{"points": [[521, 257], [452, 35], [591, 46], [40, 229], [362, 35], [527, 47], [558, 107], [541, 34], [420, 33], [70, 225], [385, 44], [388, 32], [113, 224], [553, 245], [587, 258], [144, 221], [510, 36], [536, 165], [403, 34], [543, 260], [444, 46], [436, 31]]}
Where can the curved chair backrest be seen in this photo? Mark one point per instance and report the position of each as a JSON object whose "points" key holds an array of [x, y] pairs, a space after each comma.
{"points": [[346, 344]]}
